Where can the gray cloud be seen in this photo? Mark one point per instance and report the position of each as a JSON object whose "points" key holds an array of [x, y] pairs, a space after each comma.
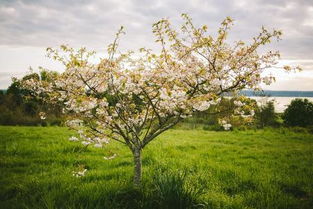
{"points": [[6, 78], [93, 23]]}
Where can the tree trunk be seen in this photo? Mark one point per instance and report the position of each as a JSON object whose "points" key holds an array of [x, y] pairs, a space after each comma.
{"points": [[137, 167]]}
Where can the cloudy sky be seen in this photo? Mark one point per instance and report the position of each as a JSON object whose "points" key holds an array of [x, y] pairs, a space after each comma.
{"points": [[28, 27]]}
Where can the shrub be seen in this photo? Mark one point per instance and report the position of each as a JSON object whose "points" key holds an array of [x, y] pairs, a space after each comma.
{"points": [[299, 113], [266, 115]]}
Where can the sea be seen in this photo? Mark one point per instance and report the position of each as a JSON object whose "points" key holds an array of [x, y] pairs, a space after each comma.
{"points": [[281, 98]]}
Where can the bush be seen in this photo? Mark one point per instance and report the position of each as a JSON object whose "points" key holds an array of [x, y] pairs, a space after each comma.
{"points": [[299, 113], [266, 116], [15, 109]]}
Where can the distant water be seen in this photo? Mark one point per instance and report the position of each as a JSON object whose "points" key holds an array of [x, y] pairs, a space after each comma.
{"points": [[281, 98], [280, 103], [271, 93]]}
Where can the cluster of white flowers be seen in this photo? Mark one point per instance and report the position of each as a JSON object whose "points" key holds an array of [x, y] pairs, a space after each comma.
{"points": [[226, 126], [74, 123], [216, 83], [238, 103], [268, 80], [79, 173], [239, 112], [86, 141], [201, 106], [73, 138], [110, 157], [42, 115]]}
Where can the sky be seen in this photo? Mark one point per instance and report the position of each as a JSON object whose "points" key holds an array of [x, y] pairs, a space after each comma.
{"points": [[28, 27]]}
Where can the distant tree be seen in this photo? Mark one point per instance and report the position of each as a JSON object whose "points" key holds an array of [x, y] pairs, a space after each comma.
{"points": [[18, 106], [2, 96], [266, 115], [15, 93], [299, 113]]}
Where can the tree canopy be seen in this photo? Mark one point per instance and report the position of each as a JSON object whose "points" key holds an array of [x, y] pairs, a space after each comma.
{"points": [[299, 113], [133, 97]]}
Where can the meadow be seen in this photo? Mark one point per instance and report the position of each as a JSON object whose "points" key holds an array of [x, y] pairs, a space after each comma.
{"points": [[269, 168]]}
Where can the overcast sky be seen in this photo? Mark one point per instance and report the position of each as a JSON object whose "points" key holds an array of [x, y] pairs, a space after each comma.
{"points": [[28, 27]]}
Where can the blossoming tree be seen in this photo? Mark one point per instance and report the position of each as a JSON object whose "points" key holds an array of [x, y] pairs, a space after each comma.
{"points": [[133, 99]]}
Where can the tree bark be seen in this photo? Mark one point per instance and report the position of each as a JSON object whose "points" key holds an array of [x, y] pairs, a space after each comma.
{"points": [[137, 167]]}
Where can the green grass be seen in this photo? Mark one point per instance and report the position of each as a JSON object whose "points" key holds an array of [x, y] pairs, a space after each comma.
{"points": [[181, 169]]}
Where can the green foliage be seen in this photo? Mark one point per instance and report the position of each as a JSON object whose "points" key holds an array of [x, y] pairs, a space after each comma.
{"points": [[209, 119], [264, 169], [299, 113], [17, 107], [266, 115]]}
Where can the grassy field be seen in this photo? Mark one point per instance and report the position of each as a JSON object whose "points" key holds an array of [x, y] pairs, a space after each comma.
{"points": [[181, 169]]}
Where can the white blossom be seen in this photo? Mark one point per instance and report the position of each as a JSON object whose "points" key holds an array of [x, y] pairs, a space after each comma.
{"points": [[86, 143], [73, 138], [202, 106], [238, 103], [42, 115], [74, 123], [227, 126], [110, 157], [79, 173]]}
